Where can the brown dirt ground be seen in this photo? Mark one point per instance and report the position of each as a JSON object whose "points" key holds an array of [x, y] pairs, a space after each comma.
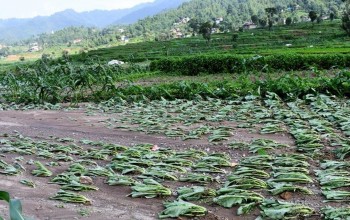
{"points": [[109, 202]]}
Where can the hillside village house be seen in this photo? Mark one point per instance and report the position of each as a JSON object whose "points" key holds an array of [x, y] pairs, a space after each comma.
{"points": [[182, 21], [219, 20], [34, 49], [124, 38], [176, 33], [76, 41], [249, 25]]}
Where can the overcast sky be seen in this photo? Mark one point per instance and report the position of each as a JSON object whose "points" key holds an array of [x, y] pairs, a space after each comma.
{"points": [[32, 8]]}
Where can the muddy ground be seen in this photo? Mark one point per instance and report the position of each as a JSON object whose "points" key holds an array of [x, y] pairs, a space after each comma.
{"points": [[109, 202]]}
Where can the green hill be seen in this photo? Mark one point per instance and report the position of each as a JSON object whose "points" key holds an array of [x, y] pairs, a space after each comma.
{"points": [[234, 13], [301, 38], [177, 22]]}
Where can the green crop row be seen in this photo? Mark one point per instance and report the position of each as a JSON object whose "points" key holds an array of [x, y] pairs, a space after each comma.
{"points": [[194, 65], [70, 82]]}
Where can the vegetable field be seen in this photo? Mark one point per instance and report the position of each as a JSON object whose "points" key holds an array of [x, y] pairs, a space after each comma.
{"points": [[249, 157]]}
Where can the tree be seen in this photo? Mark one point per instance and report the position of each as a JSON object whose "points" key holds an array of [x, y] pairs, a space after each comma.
{"points": [[313, 16], [234, 37], [205, 30], [293, 7], [295, 19], [262, 22], [270, 24], [4, 51], [270, 13], [255, 19], [289, 21], [229, 10], [195, 25], [346, 17]]}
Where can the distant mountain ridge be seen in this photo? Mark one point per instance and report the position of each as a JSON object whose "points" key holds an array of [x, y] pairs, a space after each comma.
{"points": [[18, 29], [149, 10]]}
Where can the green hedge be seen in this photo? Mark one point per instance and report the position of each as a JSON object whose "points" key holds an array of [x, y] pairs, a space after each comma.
{"points": [[193, 65]]}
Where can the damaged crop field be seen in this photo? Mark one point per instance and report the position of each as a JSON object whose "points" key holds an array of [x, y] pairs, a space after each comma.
{"points": [[208, 136], [243, 158]]}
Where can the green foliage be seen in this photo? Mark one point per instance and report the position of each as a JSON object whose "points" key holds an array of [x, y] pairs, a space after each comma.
{"points": [[230, 197], [15, 206], [234, 37], [331, 213], [255, 19], [180, 208], [313, 16], [346, 22], [195, 193], [149, 189], [273, 209], [71, 197], [48, 81], [194, 65], [205, 29], [41, 170], [262, 22]]}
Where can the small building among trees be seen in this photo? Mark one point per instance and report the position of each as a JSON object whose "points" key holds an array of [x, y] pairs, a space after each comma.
{"points": [[249, 25]]}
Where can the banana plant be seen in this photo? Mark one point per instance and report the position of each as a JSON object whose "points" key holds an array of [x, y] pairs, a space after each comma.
{"points": [[176, 209], [279, 188], [77, 186], [230, 197], [71, 197], [197, 178], [195, 193], [29, 183], [336, 196], [120, 180], [15, 206], [274, 209], [149, 189], [41, 170], [331, 213], [240, 182]]}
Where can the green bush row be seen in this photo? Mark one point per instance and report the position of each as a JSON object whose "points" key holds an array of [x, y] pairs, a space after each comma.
{"points": [[194, 65]]}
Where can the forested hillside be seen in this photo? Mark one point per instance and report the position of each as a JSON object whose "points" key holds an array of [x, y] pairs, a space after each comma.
{"points": [[185, 20], [234, 12]]}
